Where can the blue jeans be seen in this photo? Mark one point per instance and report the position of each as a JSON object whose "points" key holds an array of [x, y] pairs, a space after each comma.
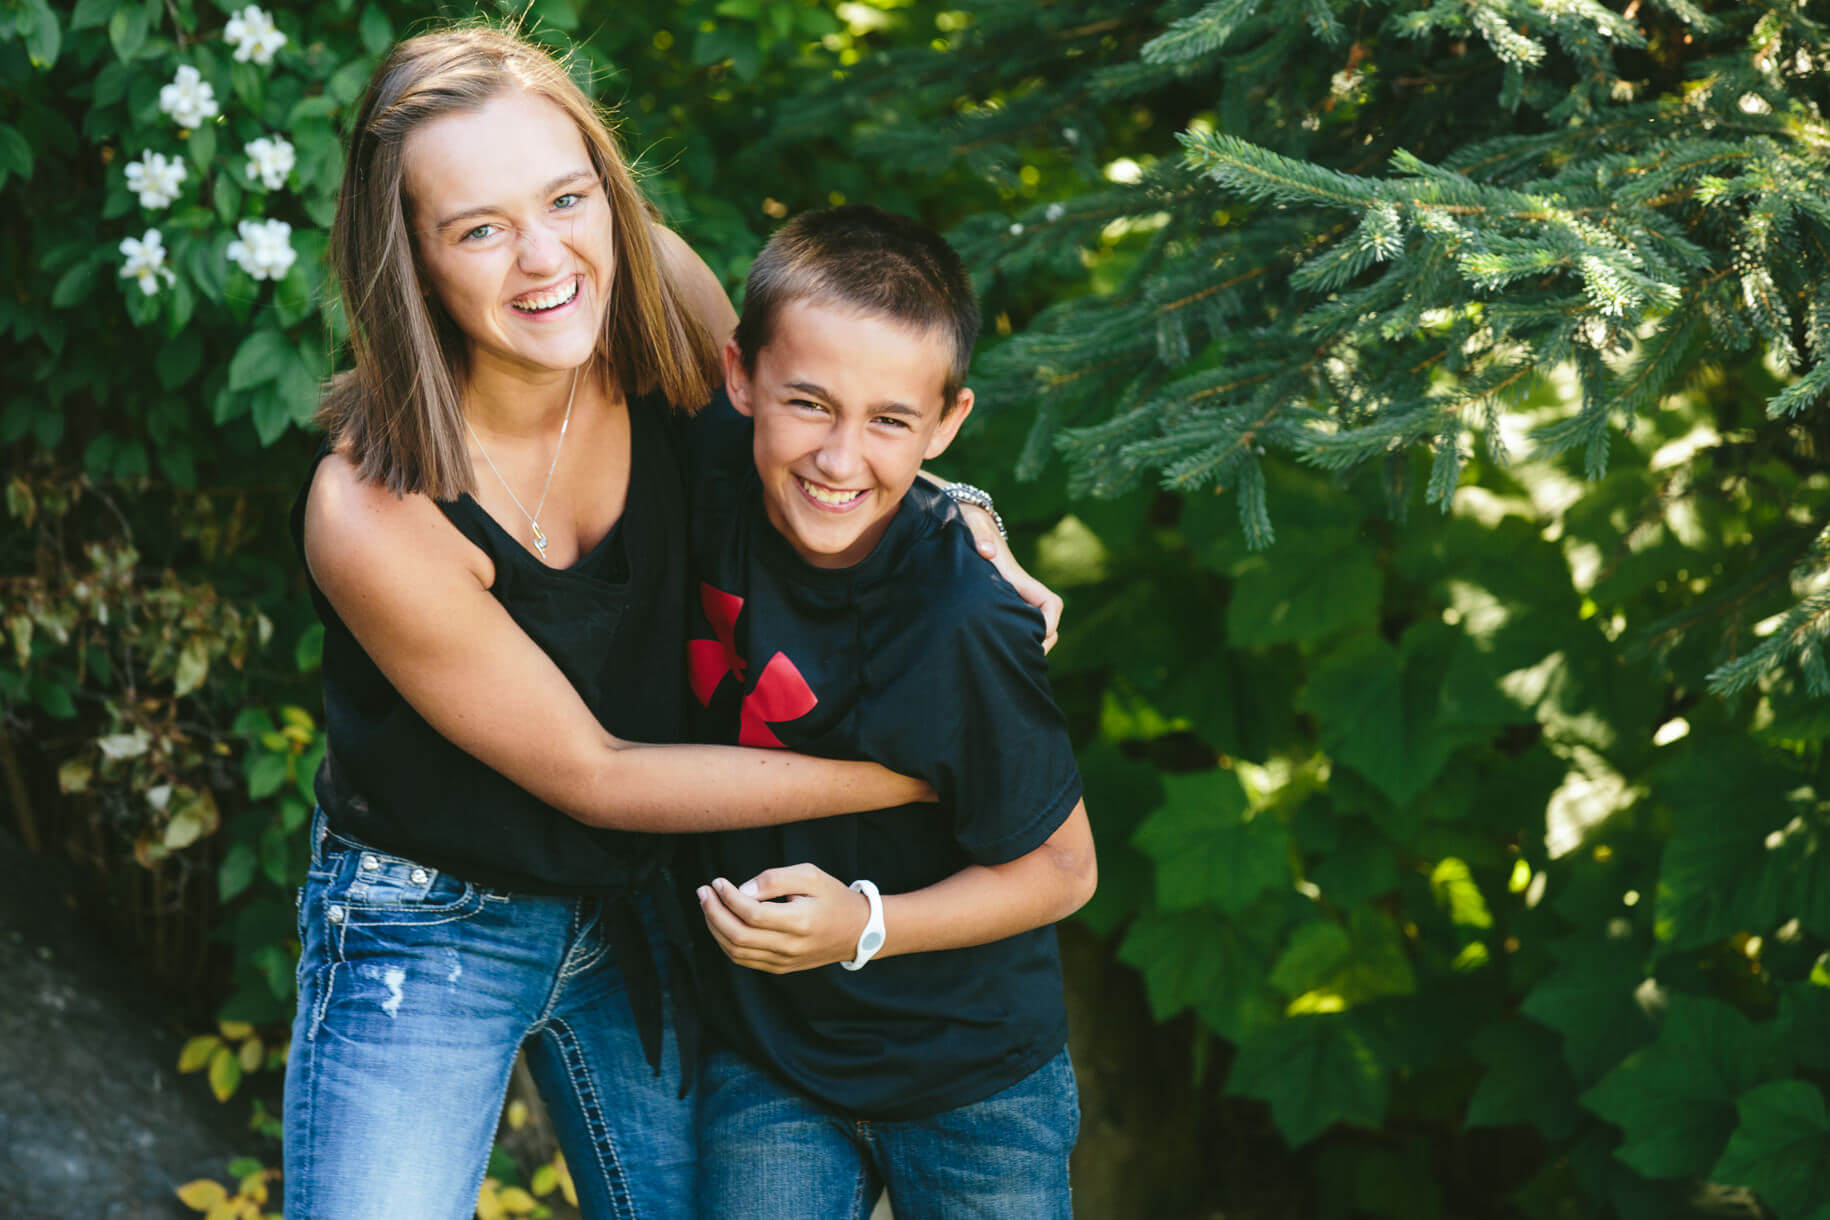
{"points": [[416, 989], [767, 1152]]}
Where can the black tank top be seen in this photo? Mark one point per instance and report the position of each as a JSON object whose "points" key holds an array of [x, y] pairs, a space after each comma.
{"points": [[614, 623]]}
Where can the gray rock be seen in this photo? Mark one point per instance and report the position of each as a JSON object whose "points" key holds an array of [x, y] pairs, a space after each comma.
{"points": [[94, 1119]]}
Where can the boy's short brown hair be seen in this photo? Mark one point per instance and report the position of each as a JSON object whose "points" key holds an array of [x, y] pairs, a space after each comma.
{"points": [[875, 262]]}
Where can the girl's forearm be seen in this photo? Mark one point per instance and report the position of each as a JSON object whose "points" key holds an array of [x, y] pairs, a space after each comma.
{"points": [[676, 788]]}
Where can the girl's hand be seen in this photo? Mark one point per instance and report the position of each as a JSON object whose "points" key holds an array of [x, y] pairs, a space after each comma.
{"points": [[785, 919], [1031, 590]]}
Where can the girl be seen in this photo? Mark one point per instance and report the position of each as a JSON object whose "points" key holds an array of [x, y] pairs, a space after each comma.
{"points": [[495, 539]]}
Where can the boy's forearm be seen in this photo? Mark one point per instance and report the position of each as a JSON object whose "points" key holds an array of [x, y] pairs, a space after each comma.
{"points": [[983, 903]]}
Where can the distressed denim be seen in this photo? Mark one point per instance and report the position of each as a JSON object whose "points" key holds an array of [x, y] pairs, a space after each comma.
{"points": [[767, 1152], [416, 988]]}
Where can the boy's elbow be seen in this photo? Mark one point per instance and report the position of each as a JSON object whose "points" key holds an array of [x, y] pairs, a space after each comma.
{"points": [[1079, 878], [1086, 880]]}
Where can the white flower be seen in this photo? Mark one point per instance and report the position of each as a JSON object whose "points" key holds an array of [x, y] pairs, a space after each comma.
{"points": [[1053, 211], [189, 98], [155, 178], [265, 249], [254, 35], [146, 261], [270, 158]]}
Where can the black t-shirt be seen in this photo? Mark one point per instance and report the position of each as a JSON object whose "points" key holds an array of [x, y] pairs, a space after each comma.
{"points": [[920, 658], [613, 622]]}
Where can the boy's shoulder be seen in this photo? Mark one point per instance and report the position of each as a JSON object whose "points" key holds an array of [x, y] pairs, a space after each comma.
{"points": [[941, 583]]}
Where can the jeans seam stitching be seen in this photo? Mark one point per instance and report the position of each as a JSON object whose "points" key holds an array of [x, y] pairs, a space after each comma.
{"points": [[597, 1131]]}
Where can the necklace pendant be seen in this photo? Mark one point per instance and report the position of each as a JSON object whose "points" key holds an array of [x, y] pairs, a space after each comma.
{"points": [[539, 539]]}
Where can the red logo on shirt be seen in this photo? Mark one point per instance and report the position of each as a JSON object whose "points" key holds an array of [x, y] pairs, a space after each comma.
{"points": [[781, 693]]}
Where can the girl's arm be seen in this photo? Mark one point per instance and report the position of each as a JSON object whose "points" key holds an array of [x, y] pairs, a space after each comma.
{"points": [[801, 917], [416, 596]]}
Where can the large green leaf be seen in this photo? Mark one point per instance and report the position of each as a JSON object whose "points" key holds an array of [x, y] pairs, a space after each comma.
{"points": [[1675, 1098], [1725, 869], [1590, 1000], [1377, 708], [1312, 586], [1199, 960], [1315, 1071], [1781, 1148], [1525, 1081], [1328, 966], [1208, 850]]}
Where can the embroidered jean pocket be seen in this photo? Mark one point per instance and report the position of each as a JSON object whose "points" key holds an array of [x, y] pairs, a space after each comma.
{"points": [[374, 887]]}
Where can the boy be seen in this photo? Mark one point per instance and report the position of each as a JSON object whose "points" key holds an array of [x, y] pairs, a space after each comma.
{"points": [[906, 1030]]}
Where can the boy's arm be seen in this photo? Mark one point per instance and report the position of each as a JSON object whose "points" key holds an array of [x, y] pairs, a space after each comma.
{"points": [[801, 917]]}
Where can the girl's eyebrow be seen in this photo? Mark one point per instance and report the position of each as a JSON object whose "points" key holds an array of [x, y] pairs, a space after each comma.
{"points": [[564, 179]]}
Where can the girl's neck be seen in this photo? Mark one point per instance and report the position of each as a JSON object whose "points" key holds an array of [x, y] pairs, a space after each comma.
{"points": [[522, 402]]}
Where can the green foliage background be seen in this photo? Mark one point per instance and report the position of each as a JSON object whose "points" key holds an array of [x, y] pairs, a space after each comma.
{"points": [[1422, 828]]}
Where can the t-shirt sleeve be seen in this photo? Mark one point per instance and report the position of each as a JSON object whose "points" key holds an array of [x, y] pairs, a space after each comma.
{"points": [[973, 715]]}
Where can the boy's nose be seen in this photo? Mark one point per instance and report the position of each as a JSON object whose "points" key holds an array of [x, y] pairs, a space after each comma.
{"points": [[840, 457]]}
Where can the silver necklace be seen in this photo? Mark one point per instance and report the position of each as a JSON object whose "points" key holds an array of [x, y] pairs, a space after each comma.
{"points": [[533, 518]]}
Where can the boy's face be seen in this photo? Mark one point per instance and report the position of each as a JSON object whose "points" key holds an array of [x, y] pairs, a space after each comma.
{"points": [[847, 407]]}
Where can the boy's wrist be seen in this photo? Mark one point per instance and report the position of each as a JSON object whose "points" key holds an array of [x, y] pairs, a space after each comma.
{"points": [[870, 935]]}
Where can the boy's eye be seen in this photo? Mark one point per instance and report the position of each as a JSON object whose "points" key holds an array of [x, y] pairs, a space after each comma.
{"points": [[893, 421], [806, 404]]}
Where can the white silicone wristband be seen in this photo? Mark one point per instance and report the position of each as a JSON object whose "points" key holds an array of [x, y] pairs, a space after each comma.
{"points": [[871, 939]]}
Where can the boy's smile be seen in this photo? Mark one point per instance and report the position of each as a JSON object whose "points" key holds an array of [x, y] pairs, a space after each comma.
{"points": [[847, 407]]}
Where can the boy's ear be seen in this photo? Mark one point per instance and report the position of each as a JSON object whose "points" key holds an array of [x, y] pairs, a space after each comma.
{"points": [[736, 379], [949, 425]]}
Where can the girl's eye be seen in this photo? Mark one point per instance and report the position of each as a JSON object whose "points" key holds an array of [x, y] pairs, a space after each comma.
{"points": [[478, 233], [569, 200]]}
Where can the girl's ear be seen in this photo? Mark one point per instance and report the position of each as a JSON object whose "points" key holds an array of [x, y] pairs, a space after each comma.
{"points": [[949, 425], [736, 379]]}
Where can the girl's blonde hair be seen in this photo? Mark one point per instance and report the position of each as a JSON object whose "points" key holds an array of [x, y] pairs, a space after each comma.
{"points": [[397, 412]]}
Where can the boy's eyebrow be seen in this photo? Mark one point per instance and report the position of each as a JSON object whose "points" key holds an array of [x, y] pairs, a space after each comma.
{"points": [[818, 391], [564, 179]]}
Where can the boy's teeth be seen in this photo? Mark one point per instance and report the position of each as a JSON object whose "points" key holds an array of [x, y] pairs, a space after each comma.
{"points": [[548, 300], [829, 497]]}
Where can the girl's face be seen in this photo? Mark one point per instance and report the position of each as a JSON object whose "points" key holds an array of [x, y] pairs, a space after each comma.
{"points": [[513, 232]]}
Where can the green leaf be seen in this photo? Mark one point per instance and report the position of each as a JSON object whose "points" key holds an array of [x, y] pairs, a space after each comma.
{"points": [[1310, 586], [260, 358], [201, 147], [377, 34], [272, 414], [1722, 875], [75, 284], [91, 13], [1453, 886], [43, 37], [193, 666], [15, 153], [1206, 850], [1198, 960], [1327, 967], [179, 359], [1315, 1071], [266, 773], [236, 872], [1377, 708], [127, 31], [1675, 1098], [1589, 999], [1781, 1149], [308, 653], [1525, 1080]]}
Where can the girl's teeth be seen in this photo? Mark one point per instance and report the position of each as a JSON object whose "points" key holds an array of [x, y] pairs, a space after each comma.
{"points": [[548, 300]]}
